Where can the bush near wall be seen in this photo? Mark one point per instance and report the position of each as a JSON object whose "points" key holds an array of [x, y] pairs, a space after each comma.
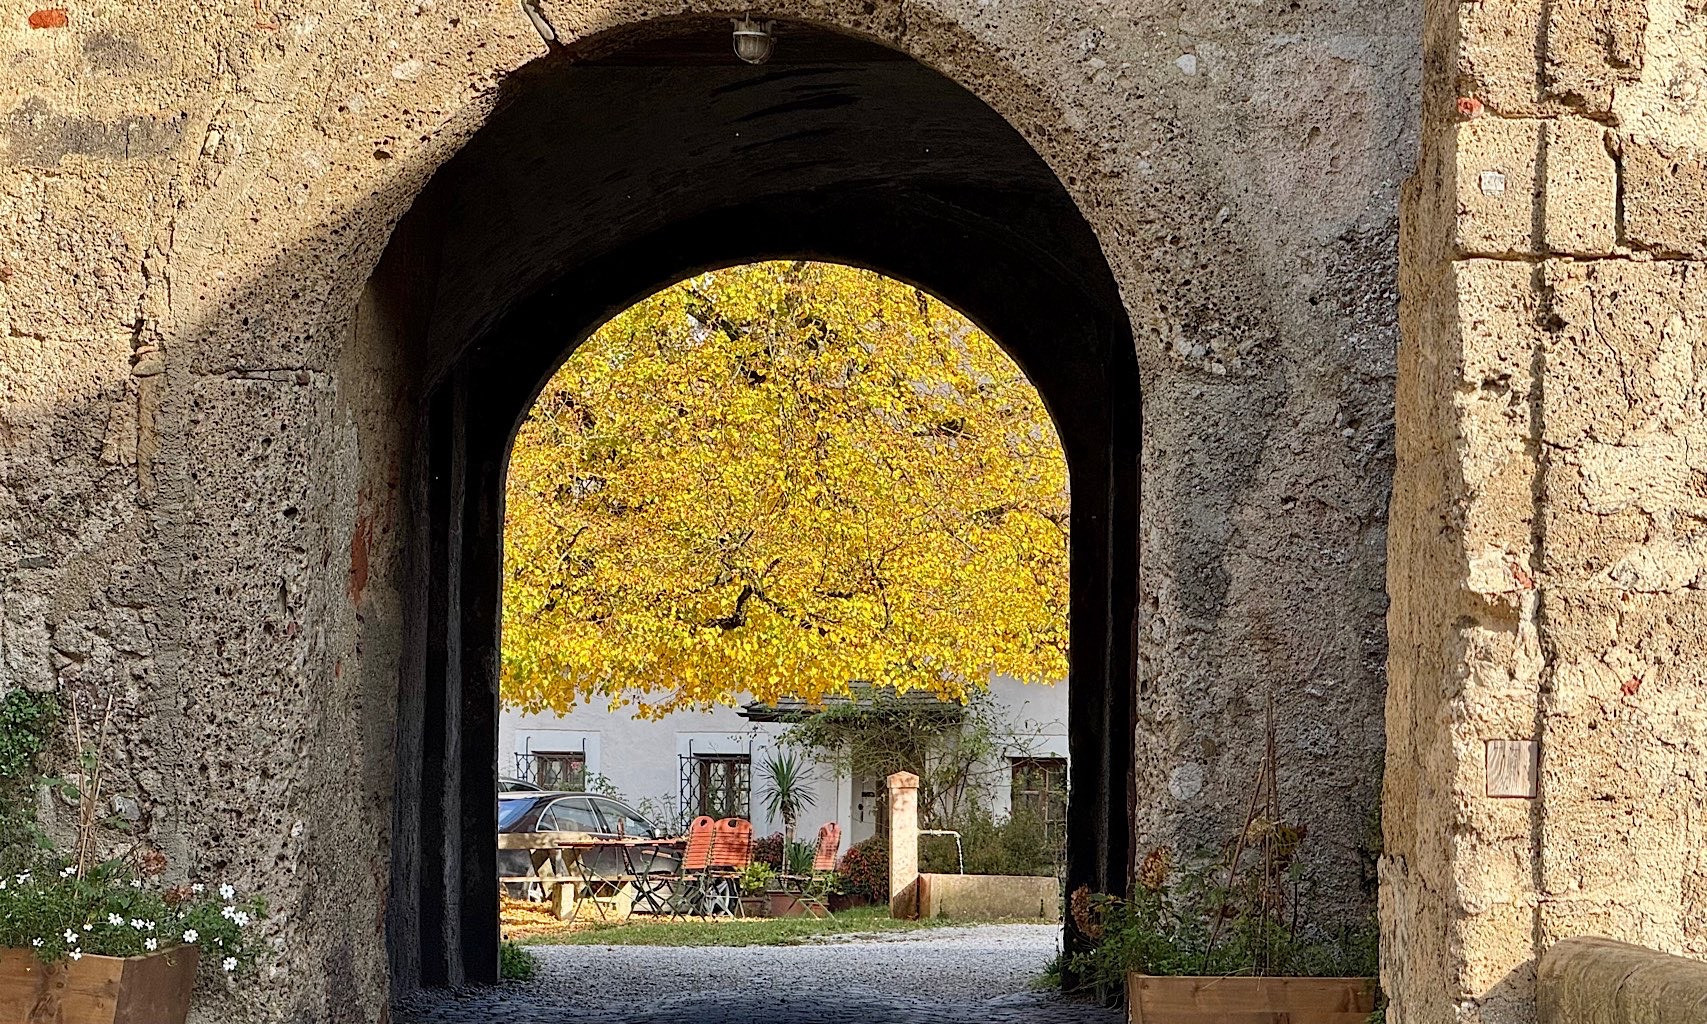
{"points": [[1017, 845], [769, 850], [865, 870]]}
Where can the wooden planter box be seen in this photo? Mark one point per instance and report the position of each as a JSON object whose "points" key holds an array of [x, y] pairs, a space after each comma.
{"points": [[1152, 999], [153, 989]]}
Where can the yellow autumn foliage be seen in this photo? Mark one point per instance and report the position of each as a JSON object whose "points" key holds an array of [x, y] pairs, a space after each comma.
{"points": [[781, 478]]}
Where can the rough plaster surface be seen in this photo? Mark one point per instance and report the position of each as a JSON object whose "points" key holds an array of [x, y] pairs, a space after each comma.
{"points": [[1544, 558], [203, 403], [1599, 981]]}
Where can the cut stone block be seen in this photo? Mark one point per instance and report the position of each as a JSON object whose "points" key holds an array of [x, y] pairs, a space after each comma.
{"points": [[1665, 197]]}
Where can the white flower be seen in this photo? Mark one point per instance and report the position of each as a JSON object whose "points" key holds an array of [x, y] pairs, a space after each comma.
{"points": [[148, 925], [2, 883], [136, 922], [226, 892], [114, 920], [151, 944], [70, 936], [23, 878], [226, 912], [229, 963], [197, 888], [241, 918], [77, 954], [136, 883], [190, 935], [88, 927], [67, 871], [36, 943]]}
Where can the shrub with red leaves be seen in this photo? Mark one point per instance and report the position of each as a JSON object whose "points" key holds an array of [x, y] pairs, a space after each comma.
{"points": [[865, 870], [768, 850]]}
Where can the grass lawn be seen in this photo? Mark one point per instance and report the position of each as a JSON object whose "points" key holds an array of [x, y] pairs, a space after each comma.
{"points": [[782, 931]]}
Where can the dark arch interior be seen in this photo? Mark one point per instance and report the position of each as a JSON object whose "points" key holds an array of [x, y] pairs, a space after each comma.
{"points": [[606, 174]]}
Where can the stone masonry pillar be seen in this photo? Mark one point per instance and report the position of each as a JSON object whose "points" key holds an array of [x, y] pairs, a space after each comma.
{"points": [[903, 845], [1544, 714]]}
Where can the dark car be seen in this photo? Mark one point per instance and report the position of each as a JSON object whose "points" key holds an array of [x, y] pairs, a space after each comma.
{"points": [[590, 813]]}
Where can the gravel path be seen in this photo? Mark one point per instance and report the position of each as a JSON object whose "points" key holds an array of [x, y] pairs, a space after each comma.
{"points": [[936, 976]]}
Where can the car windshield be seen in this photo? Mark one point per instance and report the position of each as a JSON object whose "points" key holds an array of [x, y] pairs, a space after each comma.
{"points": [[511, 811]]}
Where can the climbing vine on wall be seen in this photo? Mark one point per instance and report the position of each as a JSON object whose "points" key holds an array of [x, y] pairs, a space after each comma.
{"points": [[27, 726], [781, 478]]}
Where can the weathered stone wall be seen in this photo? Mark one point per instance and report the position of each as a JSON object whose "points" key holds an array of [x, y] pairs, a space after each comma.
{"points": [[204, 425], [1547, 503], [206, 409], [1599, 981]]}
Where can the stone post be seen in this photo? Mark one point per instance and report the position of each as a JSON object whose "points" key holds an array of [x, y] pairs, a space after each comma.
{"points": [[903, 845]]}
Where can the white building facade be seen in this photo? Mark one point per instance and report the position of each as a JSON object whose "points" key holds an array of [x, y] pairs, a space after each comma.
{"points": [[695, 762]]}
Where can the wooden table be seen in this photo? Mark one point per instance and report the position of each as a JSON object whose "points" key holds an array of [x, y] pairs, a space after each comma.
{"points": [[552, 865], [563, 864]]}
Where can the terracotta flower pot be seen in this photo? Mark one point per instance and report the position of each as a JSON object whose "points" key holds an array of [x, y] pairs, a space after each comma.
{"points": [[755, 906], [1153, 999], [786, 904], [840, 901], [152, 989]]}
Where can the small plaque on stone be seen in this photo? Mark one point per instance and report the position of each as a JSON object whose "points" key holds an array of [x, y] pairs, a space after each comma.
{"points": [[1514, 768]]}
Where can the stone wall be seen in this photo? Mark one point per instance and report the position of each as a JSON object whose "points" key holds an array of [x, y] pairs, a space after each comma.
{"points": [[1547, 503], [207, 400], [1598, 981]]}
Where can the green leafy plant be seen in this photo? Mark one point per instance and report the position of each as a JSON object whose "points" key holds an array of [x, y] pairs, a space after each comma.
{"points": [[757, 879], [112, 909], [593, 782], [28, 722], [1016, 845], [799, 858], [787, 789], [516, 962], [1239, 910], [1051, 978]]}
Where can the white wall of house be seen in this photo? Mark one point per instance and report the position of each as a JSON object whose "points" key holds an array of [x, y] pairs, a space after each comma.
{"points": [[642, 758]]}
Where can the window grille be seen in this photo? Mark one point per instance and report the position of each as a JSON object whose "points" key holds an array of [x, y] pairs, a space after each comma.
{"points": [[725, 783], [1040, 786], [560, 769]]}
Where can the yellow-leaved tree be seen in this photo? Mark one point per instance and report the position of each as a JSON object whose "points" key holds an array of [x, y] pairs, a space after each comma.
{"points": [[782, 478]]}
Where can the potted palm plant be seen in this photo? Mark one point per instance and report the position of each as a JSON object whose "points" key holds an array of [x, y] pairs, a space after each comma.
{"points": [[787, 795], [788, 791]]}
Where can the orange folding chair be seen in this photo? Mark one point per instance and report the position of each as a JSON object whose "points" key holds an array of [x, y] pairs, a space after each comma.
{"points": [[731, 852], [829, 844], [693, 894], [823, 862]]}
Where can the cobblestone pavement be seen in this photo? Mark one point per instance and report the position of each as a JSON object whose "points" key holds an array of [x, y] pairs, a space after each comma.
{"points": [[940, 976]]}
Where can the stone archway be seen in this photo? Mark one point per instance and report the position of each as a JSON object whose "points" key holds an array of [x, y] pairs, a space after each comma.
{"points": [[201, 307], [556, 215]]}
